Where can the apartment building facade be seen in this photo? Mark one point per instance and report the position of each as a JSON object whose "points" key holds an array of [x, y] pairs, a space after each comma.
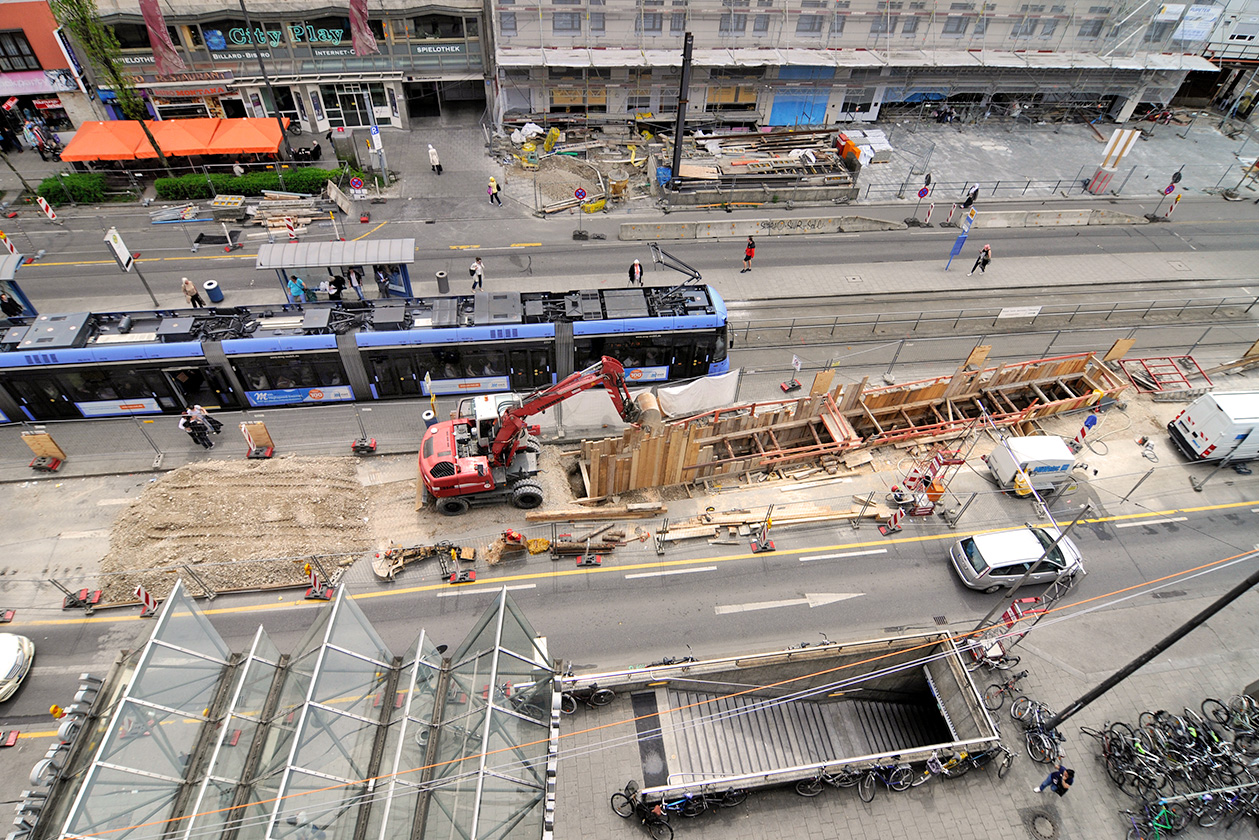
{"points": [[812, 62]]}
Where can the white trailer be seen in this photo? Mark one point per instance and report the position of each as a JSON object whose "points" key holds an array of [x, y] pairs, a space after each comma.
{"points": [[1046, 460], [1219, 426]]}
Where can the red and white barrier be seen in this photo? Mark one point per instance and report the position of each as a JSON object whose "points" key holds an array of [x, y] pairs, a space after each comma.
{"points": [[288, 225], [147, 600], [930, 207]]}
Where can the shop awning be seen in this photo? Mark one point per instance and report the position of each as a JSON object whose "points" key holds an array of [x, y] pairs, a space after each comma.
{"points": [[112, 140], [246, 137], [185, 137]]}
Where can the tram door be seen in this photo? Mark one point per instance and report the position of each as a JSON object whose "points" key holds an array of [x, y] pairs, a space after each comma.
{"points": [[200, 386], [41, 399], [530, 367]]}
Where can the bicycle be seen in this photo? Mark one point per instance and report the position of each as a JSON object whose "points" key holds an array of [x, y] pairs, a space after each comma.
{"points": [[845, 777], [990, 656], [628, 803], [675, 660], [965, 761], [995, 694], [295, 128], [692, 805], [592, 696], [1149, 824], [894, 776]]}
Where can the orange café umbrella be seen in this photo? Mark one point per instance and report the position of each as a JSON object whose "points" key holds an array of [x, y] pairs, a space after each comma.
{"points": [[180, 138], [111, 140], [246, 137]]}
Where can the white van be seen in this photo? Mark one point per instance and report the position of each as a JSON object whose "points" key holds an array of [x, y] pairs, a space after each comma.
{"points": [[1218, 426]]}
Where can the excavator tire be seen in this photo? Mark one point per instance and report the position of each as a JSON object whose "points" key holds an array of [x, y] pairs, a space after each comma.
{"points": [[452, 506], [526, 495], [531, 444]]}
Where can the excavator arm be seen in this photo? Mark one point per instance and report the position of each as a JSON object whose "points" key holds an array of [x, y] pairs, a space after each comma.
{"points": [[607, 372]]}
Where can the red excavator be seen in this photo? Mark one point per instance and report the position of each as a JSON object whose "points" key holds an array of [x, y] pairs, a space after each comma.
{"points": [[489, 453]]}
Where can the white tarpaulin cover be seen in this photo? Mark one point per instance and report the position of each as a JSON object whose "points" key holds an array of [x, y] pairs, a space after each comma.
{"points": [[699, 396]]}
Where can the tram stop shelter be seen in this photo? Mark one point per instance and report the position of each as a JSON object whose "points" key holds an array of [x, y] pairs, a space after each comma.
{"points": [[9, 264], [390, 256], [337, 739]]}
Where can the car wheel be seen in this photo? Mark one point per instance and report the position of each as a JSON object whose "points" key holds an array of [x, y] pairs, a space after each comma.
{"points": [[996, 587]]}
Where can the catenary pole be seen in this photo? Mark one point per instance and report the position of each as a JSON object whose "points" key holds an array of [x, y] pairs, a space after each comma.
{"points": [[275, 103], [1171, 639], [688, 45]]}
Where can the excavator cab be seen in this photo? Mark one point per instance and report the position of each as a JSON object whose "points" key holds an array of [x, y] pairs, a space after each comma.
{"points": [[485, 412]]}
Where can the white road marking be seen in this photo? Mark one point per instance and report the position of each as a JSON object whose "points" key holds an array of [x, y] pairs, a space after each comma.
{"points": [[811, 599], [482, 590], [1150, 521], [843, 554], [672, 572]]}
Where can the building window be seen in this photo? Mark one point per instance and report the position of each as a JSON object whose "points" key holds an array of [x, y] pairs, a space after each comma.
{"points": [[955, 26], [981, 26], [1058, 10], [638, 100], [760, 23], [677, 23], [883, 25], [732, 22], [1091, 29], [16, 53], [837, 25], [650, 22], [809, 24], [1099, 10], [507, 23], [1048, 28], [1157, 32], [910, 26], [1025, 28], [566, 22], [597, 22]]}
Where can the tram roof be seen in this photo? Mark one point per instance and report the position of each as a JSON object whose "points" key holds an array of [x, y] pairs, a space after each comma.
{"points": [[288, 255]]}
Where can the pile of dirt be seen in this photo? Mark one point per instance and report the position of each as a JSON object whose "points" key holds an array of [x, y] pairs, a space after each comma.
{"points": [[214, 514]]}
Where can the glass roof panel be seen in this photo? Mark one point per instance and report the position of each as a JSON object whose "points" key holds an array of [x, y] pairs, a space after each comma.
{"points": [[152, 740], [212, 810], [352, 631], [470, 683], [350, 683], [183, 625], [459, 745], [451, 809], [279, 744], [178, 679], [125, 802], [335, 744], [312, 808], [394, 811], [517, 748], [509, 810]]}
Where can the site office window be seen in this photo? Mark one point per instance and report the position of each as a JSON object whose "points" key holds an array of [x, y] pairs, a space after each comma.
{"points": [[16, 53]]}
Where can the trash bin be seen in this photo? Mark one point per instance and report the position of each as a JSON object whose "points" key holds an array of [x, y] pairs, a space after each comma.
{"points": [[212, 291], [443, 283], [429, 417]]}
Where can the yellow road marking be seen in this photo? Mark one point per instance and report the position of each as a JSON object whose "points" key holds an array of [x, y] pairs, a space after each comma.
{"points": [[464, 247], [526, 245], [655, 564], [370, 232]]}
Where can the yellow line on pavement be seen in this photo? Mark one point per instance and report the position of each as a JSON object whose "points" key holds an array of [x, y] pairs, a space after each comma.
{"points": [[654, 564], [463, 247], [370, 232], [526, 245], [85, 262]]}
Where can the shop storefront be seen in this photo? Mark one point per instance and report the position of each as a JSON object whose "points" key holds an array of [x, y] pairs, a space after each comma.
{"points": [[36, 95]]}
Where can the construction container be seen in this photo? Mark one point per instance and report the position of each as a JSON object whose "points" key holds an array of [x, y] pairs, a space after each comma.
{"points": [[1218, 426]]}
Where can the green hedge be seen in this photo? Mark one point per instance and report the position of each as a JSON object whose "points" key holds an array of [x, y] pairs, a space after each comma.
{"points": [[195, 187], [84, 188]]}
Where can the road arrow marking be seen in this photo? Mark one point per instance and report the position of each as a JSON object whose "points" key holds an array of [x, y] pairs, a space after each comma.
{"points": [[843, 554], [811, 599]]}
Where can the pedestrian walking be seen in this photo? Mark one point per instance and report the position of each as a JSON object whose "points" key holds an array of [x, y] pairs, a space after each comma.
{"points": [[238, 170], [748, 253], [433, 160], [10, 307], [335, 287], [971, 195], [382, 282], [981, 261], [196, 429], [1059, 781], [356, 282], [203, 416], [636, 273], [191, 294], [297, 289], [477, 271], [494, 189]]}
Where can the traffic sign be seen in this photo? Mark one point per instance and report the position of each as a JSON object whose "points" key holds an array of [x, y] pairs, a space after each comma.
{"points": [[1176, 175], [795, 363], [579, 193], [356, 183], [922, 193], [1169, 189], [125, 260], [968, 220], [376, 138]]}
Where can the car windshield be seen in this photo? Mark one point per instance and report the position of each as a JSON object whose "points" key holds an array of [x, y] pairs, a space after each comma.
{"points": [[973, 556], [1047, 540]]}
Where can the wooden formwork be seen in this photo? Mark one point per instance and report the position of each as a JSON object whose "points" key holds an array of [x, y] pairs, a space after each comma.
{"points": [[767, 435]]}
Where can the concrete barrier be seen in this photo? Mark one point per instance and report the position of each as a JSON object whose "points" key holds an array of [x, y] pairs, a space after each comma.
{"points": [[854, 224], [637, 232], [1057, 218], [1001, 219], [1110, 217]]}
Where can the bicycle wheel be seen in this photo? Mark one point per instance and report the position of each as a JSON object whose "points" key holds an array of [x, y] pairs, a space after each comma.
{"points": [[660, 830], [809, 787], [1004, 765], [622, 805], [920, 778], [847, 778], [602, 697], [733, 798], [900, 779], [1213, 709], [568, 703], [957, 769], [1134, 834], [994, 697], [1040, 748], [694, 806], [1213, 812], [1007, 662], [866, 787], [1021, 707], [1247, 742]]}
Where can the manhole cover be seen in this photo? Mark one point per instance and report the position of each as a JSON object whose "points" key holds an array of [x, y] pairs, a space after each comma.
{"points": [[941, 620], [1042, 827]]}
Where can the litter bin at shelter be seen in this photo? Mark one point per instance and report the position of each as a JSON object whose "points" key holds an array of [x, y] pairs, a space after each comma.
{"points": [[212, 291], [443, 283]]}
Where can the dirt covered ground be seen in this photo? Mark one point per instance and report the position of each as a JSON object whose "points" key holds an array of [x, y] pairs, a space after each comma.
{"points": [[215, 514]]}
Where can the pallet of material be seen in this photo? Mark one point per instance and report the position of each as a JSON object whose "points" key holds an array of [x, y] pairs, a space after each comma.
{"points": [[644, 510]]}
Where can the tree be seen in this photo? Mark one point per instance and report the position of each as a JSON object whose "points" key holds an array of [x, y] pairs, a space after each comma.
{"points": [[104, 54]]}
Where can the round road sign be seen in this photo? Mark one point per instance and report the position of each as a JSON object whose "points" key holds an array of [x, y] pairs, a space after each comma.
{"points": [[579, 193], [356, 183], [1169, 189], [922, 193]]}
